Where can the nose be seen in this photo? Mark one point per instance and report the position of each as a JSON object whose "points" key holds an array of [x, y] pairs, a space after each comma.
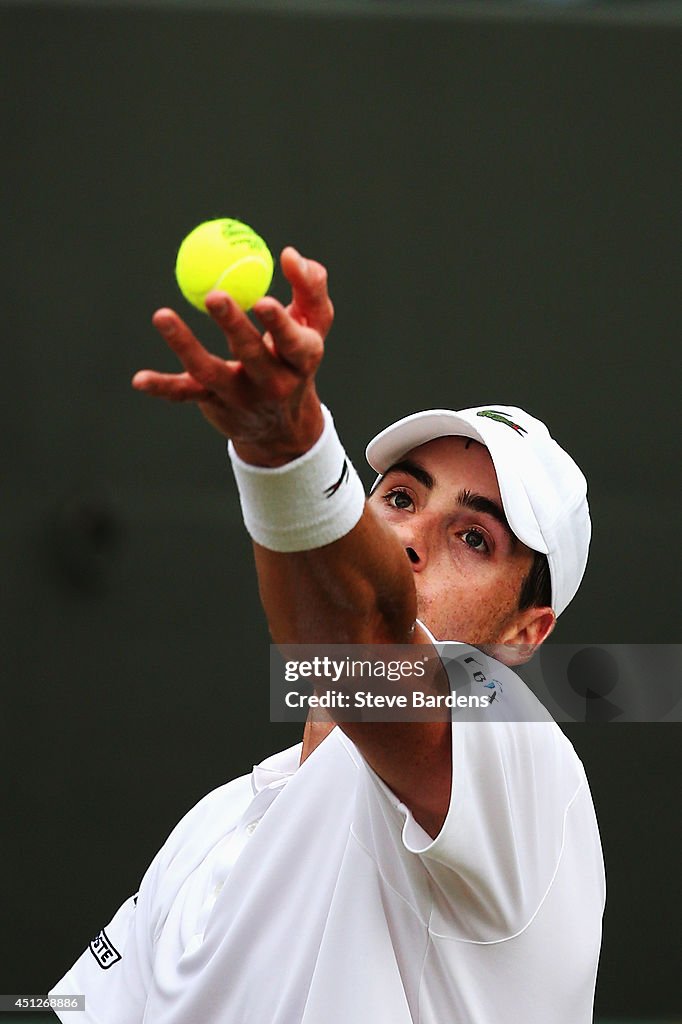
{"points": [[416, 539], [417, 534], [413, 556]]}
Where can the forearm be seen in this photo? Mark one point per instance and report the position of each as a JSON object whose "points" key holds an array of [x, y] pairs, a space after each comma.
{"points": [[329, 569], [360, 589]]}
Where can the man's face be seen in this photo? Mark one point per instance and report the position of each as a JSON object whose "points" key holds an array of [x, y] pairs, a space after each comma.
{"points": [[443, 502]]}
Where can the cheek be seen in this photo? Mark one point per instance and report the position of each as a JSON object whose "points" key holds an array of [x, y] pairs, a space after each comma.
{"points": [[472, 604], [465, 573]]}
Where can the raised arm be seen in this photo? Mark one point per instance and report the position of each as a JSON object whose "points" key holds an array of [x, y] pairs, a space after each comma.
{"points": [[358, 589]]}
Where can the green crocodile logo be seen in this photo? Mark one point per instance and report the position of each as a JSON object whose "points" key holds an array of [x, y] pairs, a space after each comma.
{"points": [[502, 417]]}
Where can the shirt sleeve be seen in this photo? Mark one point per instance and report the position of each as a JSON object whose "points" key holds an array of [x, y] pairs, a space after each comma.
{"points": [[114, 971], [503, 836], [515, 778]]}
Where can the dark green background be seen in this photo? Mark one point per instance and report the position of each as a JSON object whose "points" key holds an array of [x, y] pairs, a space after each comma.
{"points": [[498, 203]]}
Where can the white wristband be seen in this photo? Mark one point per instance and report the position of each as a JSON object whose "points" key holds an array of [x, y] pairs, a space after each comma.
{"points": [[304, 504]]}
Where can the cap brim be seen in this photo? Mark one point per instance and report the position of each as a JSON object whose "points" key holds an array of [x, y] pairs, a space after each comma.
{"points": [[389, 446]]}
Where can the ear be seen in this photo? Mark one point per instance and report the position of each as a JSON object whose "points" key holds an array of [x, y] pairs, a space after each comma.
{"points": [[524, 635]]}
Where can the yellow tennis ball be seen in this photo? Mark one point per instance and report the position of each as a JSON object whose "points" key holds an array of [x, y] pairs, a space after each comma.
{"points": [[227, 255]]}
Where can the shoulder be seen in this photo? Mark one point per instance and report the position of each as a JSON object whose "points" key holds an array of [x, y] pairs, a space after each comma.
{"points": [[219, 812], [206, 823]]}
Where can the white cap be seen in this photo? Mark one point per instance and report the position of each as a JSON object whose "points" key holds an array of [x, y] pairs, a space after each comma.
{"points": [[543, 491]]}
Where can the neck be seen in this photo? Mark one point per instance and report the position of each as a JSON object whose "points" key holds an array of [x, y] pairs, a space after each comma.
{"points": [[317, 727]]}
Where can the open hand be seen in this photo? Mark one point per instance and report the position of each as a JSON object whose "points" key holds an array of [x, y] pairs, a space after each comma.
{"points": [[264, 398]]}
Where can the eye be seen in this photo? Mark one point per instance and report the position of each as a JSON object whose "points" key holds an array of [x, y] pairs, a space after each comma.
{"points": [[398, 499], [476, 540]]}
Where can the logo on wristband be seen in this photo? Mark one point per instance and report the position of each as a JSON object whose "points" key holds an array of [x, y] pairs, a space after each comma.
{"points": [[330, 491]]}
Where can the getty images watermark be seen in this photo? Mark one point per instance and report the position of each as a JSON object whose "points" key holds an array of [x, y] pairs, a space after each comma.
{"points": [[590, 683]]}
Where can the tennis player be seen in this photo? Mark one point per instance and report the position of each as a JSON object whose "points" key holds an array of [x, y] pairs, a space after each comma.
{"points": [[380, 872]]}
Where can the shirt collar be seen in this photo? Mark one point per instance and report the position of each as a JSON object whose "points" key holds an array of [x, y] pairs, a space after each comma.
{"points": [[276, 769]]}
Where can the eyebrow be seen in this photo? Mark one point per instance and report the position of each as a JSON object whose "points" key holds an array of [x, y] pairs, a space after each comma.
{"points": [[486, 506], [413, 469], [465, 499]]}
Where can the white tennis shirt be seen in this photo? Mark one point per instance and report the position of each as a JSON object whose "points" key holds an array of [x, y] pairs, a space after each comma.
{"points": [[309, 895]]}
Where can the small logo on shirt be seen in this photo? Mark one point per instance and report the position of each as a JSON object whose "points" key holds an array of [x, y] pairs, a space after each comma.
{"points": [[480, 677], [333, 488], [496, 686], [502, 417], [104, 951]]}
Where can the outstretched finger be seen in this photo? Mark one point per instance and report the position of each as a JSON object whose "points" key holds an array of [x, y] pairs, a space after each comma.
{"points": [[176, 387], [310, 299], [208, 370], [244, 339], [299, 346]]}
